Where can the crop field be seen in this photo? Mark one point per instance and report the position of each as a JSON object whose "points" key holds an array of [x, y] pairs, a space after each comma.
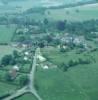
{"points": [[80, 13], [78, 83], [6, 33]]}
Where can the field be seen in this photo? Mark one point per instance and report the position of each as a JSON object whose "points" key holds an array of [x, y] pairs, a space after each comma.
{"points": [[4, 50], [54, 55], [80, 13], [6, 88], [78, 83], [27, 97], [6, 33]]}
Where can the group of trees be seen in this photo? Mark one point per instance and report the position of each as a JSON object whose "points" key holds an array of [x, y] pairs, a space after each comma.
{"points": [[10, 59], [72, 63]]}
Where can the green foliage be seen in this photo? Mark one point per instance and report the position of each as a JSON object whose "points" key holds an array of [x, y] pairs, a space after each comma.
{"points": [[6, 60], [61, 25], [23, 80]]}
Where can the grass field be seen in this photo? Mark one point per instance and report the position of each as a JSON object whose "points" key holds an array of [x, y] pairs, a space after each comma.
{"points": [[78, 83], [86, 12], [4, 50], [6, 88], [6, 33], [27, 97], [57, 57]]}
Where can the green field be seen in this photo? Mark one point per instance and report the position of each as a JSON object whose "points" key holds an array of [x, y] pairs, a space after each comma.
{"points": [[4, 50], [27, 97], [78, 83], [6, 88], [6, 33], [86, 12], [54, 55]]}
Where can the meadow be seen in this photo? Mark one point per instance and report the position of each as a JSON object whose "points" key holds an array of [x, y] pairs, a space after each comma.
{"points": [[79, 13], [26, 97], [78, 83], [6, 49], [6, 33], [6, 88]]}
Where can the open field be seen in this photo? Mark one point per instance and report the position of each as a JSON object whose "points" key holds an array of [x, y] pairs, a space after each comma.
{"points": [[6, 33], [4, 50], [54, 55], [6, 88], [79, 13], [27, 97], [78, 83]]}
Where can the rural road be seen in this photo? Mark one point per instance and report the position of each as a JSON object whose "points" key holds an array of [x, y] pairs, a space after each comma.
{"points": [[30, 86]]}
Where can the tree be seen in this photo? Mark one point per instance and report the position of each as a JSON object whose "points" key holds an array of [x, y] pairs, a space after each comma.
{"points": [[6, 60], [45, 21], [64, 67], [8, 77], [15, 54], [23, 80], [21, 38], [61, 25], [72, 63], [62, 49], [77, 10]]}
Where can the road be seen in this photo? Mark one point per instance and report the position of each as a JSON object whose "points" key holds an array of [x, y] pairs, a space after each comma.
{"points": [[17, 93], [32, 76], [30, 86]]}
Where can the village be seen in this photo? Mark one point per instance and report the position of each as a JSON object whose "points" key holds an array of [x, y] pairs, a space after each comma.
{"points": [[49, 53]]}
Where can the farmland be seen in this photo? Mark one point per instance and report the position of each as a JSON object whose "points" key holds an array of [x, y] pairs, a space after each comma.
{"points": [[6, 33], [4, 50], [26, 97], [78, 83], [85, 12], [6, 88]]}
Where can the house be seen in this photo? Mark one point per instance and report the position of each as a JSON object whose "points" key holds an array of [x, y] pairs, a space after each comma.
{"points": [[13, 72], [45, 67], [26, 53], [25, 58]]}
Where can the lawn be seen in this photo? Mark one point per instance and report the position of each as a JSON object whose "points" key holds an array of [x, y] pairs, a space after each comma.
{"points": [[6, 33], [86, 12], [78, 83]]}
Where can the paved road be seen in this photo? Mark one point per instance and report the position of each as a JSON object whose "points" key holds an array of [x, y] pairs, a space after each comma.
{"points": [[32, 75], [30, 86]]}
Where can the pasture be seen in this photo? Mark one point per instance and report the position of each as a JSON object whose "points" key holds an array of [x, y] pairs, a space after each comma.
{"points": [[4, 50], [78, 83], [6, 33], [27, 97], [79, 13], [6, 88]]}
